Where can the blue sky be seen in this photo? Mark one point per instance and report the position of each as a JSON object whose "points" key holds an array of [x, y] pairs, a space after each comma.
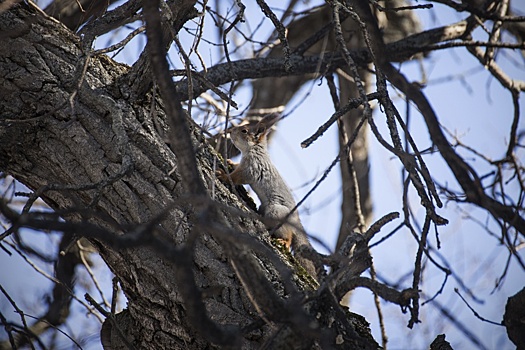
{"points": [[474, 108]]}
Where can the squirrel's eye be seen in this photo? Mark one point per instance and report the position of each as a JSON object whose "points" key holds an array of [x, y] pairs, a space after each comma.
{"points": [[244, 131]]}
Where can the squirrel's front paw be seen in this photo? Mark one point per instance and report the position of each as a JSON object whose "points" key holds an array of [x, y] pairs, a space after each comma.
{"points": [[221, 174], [231, 163]]}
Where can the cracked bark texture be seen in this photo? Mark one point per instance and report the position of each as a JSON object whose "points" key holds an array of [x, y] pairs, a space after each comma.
{"points": [[48, 139]]}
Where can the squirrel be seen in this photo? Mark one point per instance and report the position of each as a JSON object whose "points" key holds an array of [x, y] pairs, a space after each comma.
{"points": [[257, 170]]}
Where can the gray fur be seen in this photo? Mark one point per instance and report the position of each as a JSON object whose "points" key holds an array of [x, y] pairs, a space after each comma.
{"points": [[276, 198]]}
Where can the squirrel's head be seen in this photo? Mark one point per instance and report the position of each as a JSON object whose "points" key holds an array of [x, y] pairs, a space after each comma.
{"points": [[245, 137]]}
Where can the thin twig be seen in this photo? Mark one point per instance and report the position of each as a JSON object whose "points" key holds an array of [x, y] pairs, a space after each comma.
{"points": [[120, 44], [475, 312], [281, 32], [414, 310]]}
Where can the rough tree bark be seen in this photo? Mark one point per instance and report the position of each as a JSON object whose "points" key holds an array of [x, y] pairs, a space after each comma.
{"points": [[94, 156]]}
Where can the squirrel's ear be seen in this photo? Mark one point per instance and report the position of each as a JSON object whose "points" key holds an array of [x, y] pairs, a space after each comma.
{"points": [[269, 120], [264, 125], [261, 130]]}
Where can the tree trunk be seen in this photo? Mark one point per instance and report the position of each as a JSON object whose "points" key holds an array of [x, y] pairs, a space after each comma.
{"points": [[96, 157], [513, 319]]}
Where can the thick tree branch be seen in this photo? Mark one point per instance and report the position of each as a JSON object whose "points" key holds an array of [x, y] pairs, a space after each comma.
{"points": [[387, 293], [182, 146], [398, 51], [179, 133], [75, 13]]}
